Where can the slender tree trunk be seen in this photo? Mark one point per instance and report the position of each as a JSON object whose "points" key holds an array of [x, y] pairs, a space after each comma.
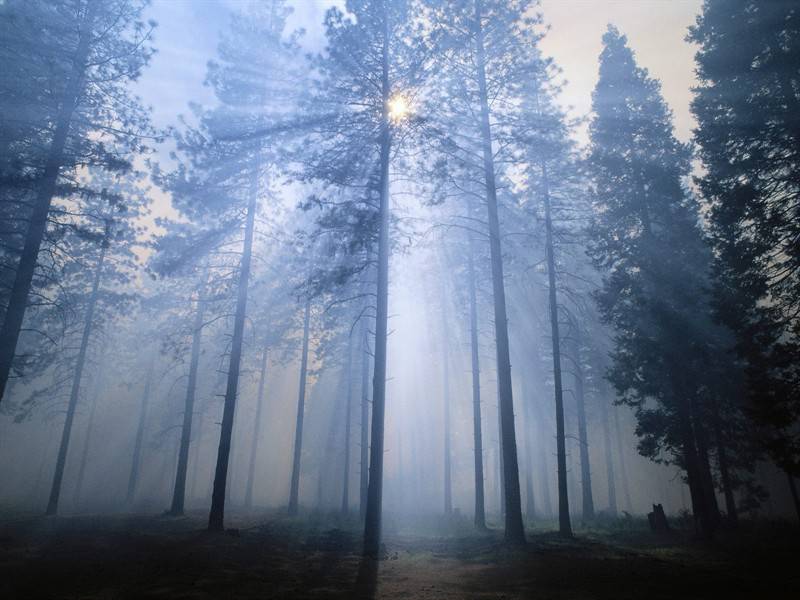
{"points": [[170, 465], [251, 468], [530, 502], [179, 491], [583, 437], [544, 470], [564, 524], [294, 489], [480, 509], [18, 297], [347, 419], [623, 473], [448, 489], [196, 459], [217, 514], [364, 426], [372, 520], [87, 440], [229, 484], [55, 491], [704, 465], [501, 471], [133, 478], [448, 468], [514, 529], [573, 458], [612, 490]]}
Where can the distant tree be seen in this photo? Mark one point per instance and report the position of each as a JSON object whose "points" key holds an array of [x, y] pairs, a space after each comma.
{"points": [[275, 320], [182, 326], [475, 370], [108, 223], [489, 51], [554, 195], [148, 389], [200, 301], [294, 483], [231, 169]]}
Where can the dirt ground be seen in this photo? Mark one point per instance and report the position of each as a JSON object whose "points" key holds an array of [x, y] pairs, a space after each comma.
{"points": [[269, 556]]}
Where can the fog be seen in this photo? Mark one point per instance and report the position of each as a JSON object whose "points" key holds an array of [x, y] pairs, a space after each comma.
{"points": [[422, 276]]}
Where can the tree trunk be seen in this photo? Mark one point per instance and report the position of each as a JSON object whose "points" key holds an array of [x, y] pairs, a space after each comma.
{"points": [[623, 473], [583, 437], [372, 520], [137, 444], [573, 458], [196, 459], [55, 491], [700, 505], [294, 489], [530, 502], [544, 471], [480, 509], [448, 486], [217, 514], [564, 525], [364, 426], [612, 490], [251, 468], [514, 529], [179, 492], [501, 472], [704, 464], [448, 468], [347, 418], [724, 472], [18, 297]]}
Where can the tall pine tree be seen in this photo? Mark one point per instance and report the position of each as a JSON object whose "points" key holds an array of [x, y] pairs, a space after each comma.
{"points": [[747, 107], [647, 242]]}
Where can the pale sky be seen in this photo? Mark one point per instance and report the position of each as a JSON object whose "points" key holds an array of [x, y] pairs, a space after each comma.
{"points": [[655, 30]]}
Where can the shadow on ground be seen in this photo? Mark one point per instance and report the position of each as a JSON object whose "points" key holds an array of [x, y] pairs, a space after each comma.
{"points": [[269, 556]]}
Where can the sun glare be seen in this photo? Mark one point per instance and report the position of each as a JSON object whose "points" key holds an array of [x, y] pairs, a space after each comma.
{"points": [[398, 108]]}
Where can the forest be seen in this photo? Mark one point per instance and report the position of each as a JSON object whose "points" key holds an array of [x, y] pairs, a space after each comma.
{"points": [[399, 299]]}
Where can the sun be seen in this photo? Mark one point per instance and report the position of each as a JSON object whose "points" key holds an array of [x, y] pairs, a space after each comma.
{"points": [[398, 108]]}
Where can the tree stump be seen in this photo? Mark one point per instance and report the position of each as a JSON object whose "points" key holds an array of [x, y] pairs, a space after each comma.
{"points": [[657, 519]]}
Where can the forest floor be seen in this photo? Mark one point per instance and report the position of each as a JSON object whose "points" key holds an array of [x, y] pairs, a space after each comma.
{"points": [[270, 556]]}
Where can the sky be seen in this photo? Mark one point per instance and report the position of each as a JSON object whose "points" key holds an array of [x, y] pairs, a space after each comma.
{"points": [[188, 31], [186, 38]]}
